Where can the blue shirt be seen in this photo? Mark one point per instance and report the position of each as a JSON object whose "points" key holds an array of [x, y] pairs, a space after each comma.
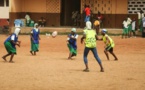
{"points": [[73, 42], [35, 36], [9, 40]]}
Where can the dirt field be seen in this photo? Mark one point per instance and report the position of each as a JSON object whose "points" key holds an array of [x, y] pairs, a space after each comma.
{"points": [[50, 69]]}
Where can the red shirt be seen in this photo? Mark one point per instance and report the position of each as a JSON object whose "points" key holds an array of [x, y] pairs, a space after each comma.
{"points": [[88, 11], [100, 17]]}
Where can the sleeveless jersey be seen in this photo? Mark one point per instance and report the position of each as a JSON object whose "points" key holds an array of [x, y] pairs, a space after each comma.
{"points": [[90, 40], [110, 39]]}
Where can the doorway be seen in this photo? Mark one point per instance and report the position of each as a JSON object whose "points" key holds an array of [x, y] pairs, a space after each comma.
{"points": [[67, 7]]}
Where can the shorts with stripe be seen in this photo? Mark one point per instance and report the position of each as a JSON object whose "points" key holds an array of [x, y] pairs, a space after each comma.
{"points": [[109, 48]]}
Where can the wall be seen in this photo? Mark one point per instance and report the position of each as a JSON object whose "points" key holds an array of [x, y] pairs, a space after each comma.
{"points": [[136, 5], [37, 6], [16, 5], [4, 12], [120, 14], [49, 9], [106, 6], [15, 9], [114, 11], [4, 9]]}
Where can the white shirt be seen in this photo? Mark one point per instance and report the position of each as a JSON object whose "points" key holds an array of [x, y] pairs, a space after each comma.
{"points": [[125, 24], [129, 21], [76, 36], [17, 25], [133, 25], [142, 15], [73, 36], [139, 15], [36, 29], [13, 37], [143, 20], [27, 17], [143, 24]]}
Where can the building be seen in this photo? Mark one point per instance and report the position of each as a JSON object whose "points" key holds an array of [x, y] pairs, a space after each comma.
{"points": [[58, 12], [4, 15]]}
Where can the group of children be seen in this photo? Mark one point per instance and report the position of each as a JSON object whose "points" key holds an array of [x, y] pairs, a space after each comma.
{"points": [[11, 42], [89, 38], [129, 28]]}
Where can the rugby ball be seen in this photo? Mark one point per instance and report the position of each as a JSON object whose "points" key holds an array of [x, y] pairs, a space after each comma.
{"points": [[54, 34], [96, 23]]}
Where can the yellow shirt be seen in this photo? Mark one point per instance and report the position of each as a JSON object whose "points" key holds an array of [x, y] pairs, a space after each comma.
{"points": [[90, 40], [96, 23], [110, 39]]}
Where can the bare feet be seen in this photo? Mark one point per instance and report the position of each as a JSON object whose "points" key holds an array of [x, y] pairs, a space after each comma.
{"points": [[11, 62], [34, 53], [116, 59], [4, 58], [73, 55], [102, 70], [31, 52], [69, 58], [86, 70]]}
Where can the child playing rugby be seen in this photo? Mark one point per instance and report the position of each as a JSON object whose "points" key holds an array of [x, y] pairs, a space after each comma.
{"points": [[35, 40], [109, 44], [89, 37], [72, 43], [10, 44]]}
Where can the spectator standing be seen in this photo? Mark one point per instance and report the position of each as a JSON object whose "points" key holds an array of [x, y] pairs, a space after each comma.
{"points": [[88, 13], [140, 17], [125, 29], [129, 25], [133, 24], [100, 18], [143, 24]]}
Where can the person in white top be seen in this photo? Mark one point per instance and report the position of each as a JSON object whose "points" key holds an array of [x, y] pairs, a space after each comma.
{"points": [[129, 25], [143, 20], [125, 28], [140, 17], [28, 19], [133, 27]]}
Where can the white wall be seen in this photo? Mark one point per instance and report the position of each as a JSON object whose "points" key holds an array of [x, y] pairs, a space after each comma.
{"points": [[4, 12]]}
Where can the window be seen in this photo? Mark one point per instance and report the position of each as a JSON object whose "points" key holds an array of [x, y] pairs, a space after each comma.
{"points": [[4, 3], [1, 2], [135, 5], [7, 3]]}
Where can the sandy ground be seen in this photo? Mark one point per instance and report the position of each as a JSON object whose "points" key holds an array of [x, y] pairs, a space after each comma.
{"points": [[50, 69]]}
